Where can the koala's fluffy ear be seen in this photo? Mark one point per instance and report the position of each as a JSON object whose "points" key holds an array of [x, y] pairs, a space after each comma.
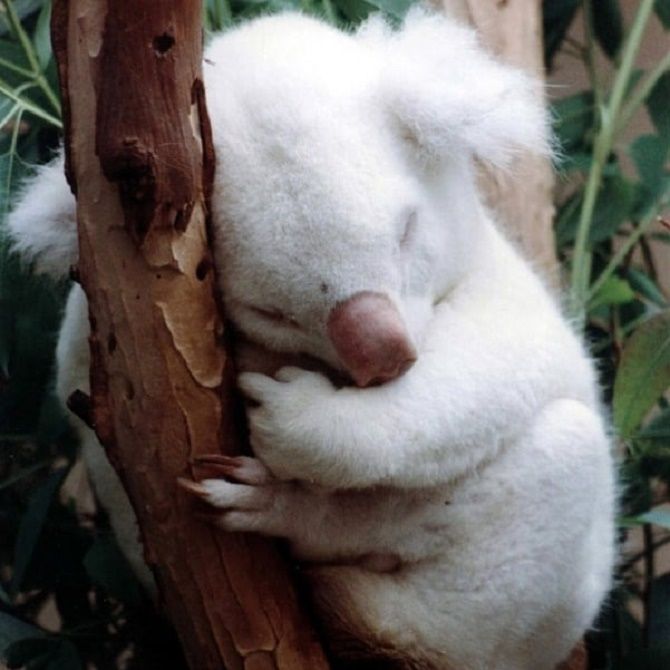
{"points": [[449, 95]]}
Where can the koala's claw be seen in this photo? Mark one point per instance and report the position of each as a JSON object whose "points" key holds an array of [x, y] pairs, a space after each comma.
{"points": [[246, 497], [225, 495], [192, 487], [236, 468], [255, 385]]}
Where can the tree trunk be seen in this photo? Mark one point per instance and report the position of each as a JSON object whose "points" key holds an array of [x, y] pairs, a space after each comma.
{"points": [[523, 200], [139, 159]]}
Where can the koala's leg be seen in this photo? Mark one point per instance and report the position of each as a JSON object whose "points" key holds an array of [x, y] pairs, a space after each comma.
{"points": [[374, 617], [528, 565], [72, 356]]}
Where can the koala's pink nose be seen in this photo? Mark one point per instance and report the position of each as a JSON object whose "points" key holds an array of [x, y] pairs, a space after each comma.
{"points": [[370, 338]]}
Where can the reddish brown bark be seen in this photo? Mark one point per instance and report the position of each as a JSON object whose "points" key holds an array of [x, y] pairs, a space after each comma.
{"points": [[139, 158]]}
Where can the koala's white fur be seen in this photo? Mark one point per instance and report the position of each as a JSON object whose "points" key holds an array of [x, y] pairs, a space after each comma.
{"points": [[460, 516]]}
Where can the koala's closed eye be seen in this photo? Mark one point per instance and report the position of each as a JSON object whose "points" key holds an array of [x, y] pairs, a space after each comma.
{"points": [[272, 314]]}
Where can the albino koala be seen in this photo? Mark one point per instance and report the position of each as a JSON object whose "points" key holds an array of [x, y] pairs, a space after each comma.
{"points": [[451, 495]]}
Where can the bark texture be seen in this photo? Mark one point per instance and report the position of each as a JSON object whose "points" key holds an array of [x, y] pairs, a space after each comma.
{"points": [[512, 29], [140, 161]]}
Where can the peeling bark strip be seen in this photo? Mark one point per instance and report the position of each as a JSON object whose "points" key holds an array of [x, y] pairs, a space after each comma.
{"points": [[140, 160]]}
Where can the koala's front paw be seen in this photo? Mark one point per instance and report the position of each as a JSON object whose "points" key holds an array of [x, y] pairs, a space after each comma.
{"points": [[247, 500], [287, 425]]}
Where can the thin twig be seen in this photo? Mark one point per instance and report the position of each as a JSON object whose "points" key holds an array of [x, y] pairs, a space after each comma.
{"points": [[635, 558], [648, 258], [620, 255], [608, 115], [642, 92]]}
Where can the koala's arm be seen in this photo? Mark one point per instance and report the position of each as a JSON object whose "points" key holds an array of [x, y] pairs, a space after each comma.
{"points": [[487, 367]]}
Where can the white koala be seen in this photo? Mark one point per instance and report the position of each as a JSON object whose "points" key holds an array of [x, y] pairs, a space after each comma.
{"points": [[435, 454]]}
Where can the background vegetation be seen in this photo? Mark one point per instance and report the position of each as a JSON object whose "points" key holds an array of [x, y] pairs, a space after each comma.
{"points": [[67, 598]]}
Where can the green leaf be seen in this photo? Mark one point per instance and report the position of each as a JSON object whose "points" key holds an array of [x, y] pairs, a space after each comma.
{"points": [[658, 516], [657, 104], [573, 119], [615, 291], [614, 205], [657, 429], [355, 10], [107, 567], [646, 287], [12, 58], [12, 630], [579, 161], [649, 153], [253, 8], [557, 15], [608, 25], [23, 9], [42, 37], [662, 8], [393, 8], [31, 526], [643, 374]]}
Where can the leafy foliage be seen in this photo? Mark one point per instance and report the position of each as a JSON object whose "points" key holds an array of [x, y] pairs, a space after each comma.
{"points": [[220, 14], [614, 193]]}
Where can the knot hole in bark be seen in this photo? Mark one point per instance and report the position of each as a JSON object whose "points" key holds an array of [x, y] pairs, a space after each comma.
{"points": [[163, 43]]}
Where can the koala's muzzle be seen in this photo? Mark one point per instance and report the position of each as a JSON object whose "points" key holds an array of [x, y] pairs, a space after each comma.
{"points": [[370, 338]]}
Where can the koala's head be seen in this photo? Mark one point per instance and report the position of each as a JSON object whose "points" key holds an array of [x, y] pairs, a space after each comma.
{"points": [[344, 201]]}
